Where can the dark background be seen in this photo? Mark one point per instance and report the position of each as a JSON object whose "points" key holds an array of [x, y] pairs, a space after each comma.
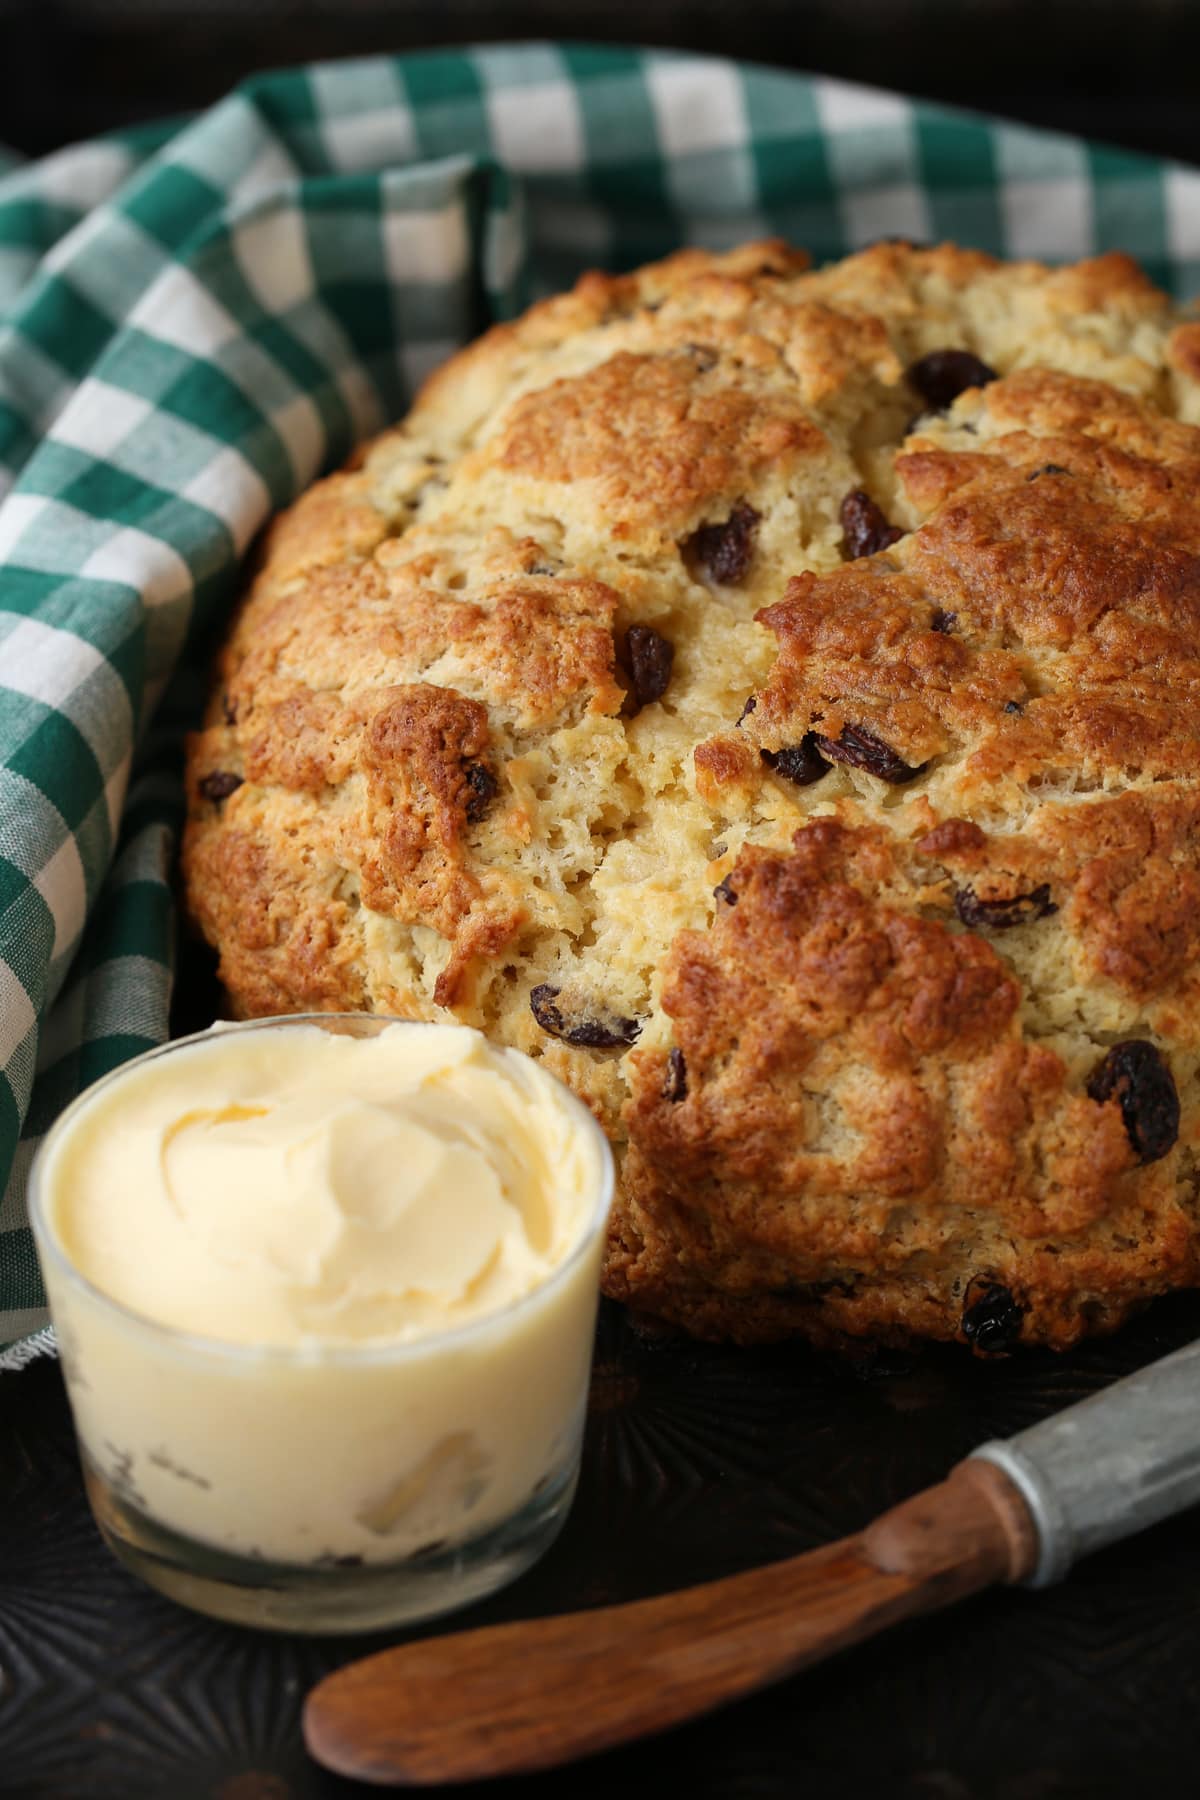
{"points": [[1123, 70]]}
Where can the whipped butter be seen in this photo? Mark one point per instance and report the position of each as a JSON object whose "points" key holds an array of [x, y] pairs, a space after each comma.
{"points": [[293, 1185], [376, 1258]]}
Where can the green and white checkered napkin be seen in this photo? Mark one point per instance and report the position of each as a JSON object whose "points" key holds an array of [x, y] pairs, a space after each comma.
{"points": [[197, 318]]}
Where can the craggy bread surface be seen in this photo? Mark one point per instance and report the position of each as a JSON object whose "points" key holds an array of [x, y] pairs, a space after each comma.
{"points": [[789, 731]]}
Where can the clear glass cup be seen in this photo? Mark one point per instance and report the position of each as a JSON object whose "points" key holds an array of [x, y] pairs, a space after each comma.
{"points": [[327, 1489]]}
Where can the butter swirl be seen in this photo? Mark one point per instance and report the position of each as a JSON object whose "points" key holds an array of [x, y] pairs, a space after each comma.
{"points": [[280, 1187]]}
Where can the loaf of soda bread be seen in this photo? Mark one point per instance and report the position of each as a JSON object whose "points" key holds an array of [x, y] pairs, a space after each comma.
{"points": [[772, 698]]}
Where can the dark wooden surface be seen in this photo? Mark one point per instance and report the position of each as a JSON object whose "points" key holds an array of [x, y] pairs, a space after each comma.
{"points": [[699, 1462]]}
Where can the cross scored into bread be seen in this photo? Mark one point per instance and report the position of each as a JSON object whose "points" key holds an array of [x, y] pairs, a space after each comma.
{"points": [[772, 698]]}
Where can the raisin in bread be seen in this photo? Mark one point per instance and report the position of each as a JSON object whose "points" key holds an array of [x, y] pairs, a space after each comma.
{"points": [[772, 698]]}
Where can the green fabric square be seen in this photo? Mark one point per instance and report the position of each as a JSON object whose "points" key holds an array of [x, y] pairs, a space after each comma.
{"points": [[519, 65], [14, 884], [22, 1277], [27, 925], [1129, 205], [172, 205], [30, 591], [104, 614], [56, 314], [133, 919], [105, 491], [717, 185], [958, 169], [57, 1085], [353, 89], [54, 757], [100, 1056], [16, 439], [204, 396], [364, 311], [287, 98], [438, 79], [594, 65], [33, 224]]}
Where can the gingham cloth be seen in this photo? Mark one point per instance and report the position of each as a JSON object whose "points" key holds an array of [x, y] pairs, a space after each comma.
{"points": [[195, 319]]}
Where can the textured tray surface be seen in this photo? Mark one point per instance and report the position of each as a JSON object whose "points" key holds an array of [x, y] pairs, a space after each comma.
{"points": [[699, 1461]]}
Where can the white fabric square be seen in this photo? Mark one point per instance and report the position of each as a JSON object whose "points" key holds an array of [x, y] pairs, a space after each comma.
{"points": [[98, 417], [159, 573], [1182, 194], [426, 246], [697, 107], [177, 310], [271, 168], [1050, 218], [61, 884], [299, 425], [17, 515], [47, 664], [84, 175], [844, 106], [61, 670], [900, 210], [362, 114], [272, 250], [230, 487], [537, 127], [370, 140]]}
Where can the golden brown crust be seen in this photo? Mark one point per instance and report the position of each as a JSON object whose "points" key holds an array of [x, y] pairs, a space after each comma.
{"points": [[859, 1097], [282, 950], [850, 877], [332, 522], [697, 442]]}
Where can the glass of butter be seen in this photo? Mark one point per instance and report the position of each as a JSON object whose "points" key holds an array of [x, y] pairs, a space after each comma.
{"points": [[325, 1292]]}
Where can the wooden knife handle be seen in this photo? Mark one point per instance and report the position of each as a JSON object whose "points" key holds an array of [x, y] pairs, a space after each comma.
{"points": [[514, 1698], [974, 1528]]}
